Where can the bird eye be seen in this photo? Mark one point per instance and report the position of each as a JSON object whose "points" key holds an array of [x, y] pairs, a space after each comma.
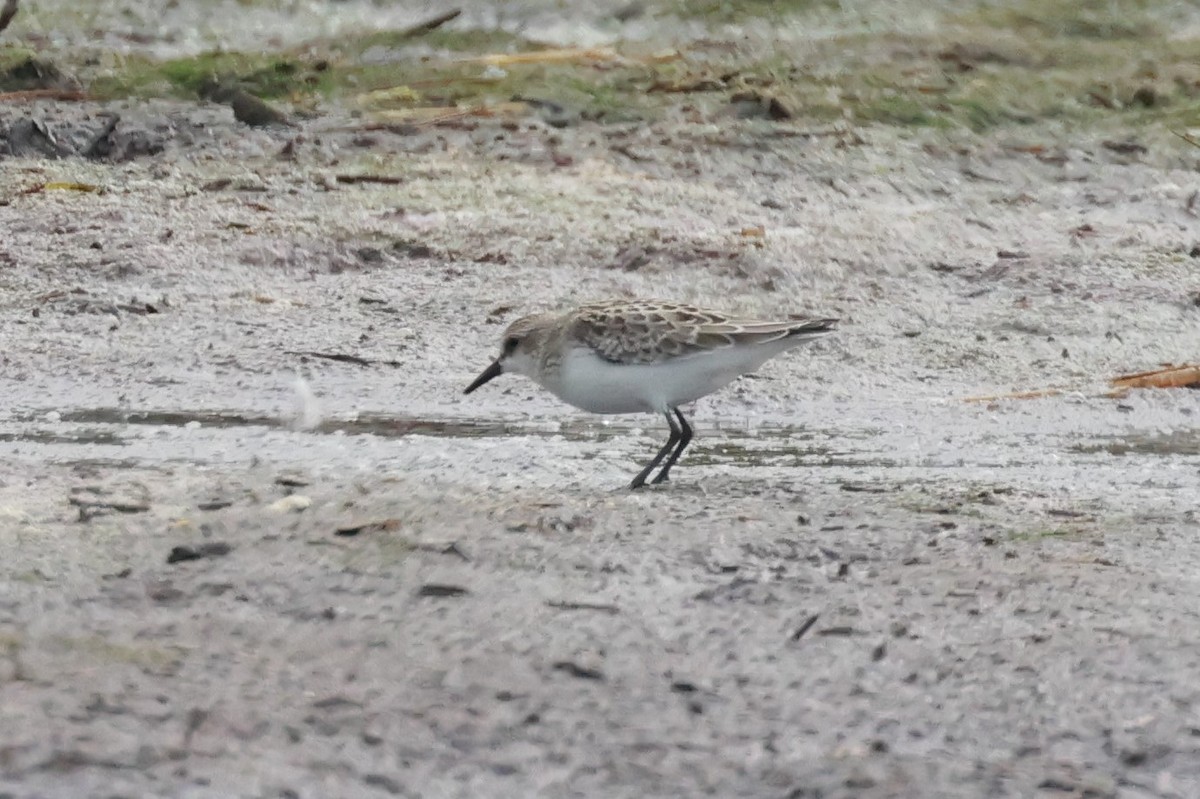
{"points": [[510, 344]]}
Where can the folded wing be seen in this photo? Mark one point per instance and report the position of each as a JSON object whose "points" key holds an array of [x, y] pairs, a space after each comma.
{"points": [[652, 332]]}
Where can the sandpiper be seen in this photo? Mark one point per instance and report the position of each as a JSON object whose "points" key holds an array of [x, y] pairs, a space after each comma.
{"points": [[635, 356]]}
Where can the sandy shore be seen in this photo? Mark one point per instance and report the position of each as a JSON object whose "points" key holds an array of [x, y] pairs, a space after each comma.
{"points": [[238, 566]]}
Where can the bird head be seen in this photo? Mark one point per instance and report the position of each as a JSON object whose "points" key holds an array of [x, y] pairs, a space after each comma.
{"points": [[518, 349]]}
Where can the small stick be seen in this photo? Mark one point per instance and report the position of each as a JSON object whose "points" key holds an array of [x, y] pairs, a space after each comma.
{"points": [[554, 55], [1183, 136], [430, 24], [1169, 377], [42, 94], [805, 627], [1044, 392], [8, 12], [344, 358], [386, 179], [568, 605]]}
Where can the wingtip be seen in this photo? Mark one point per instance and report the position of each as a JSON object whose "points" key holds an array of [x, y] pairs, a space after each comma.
{"points": [[818, 326]]}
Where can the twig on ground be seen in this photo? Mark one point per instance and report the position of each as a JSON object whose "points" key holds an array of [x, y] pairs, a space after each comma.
{"points": [[805, 627], [8, 12], [568, 605], [553, 55], [1182, 376], [390, 180], [42, 94], [1035, 394], [1170, 376], [430, 24], [341, 357], [1187, 138]]}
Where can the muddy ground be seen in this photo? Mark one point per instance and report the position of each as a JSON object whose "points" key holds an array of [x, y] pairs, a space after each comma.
{"points": [[257, 543]]}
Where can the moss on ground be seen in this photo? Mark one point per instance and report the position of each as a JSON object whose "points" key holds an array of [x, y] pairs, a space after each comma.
{"points": [[986, 67], [729, 11], [267, 75]]}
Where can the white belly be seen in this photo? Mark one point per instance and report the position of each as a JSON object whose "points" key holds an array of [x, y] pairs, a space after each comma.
{"points": [[599, 386]]}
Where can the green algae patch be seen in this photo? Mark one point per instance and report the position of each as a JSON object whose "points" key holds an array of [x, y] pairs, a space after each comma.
{"points": [[736, 11], [1100, 66], [262, 74]]}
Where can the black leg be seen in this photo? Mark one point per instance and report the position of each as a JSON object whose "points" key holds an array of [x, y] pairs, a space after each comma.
{"points": [[685, 438], [676, 434]]}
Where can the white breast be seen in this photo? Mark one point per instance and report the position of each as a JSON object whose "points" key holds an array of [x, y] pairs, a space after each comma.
{"points": [[599, 386]]}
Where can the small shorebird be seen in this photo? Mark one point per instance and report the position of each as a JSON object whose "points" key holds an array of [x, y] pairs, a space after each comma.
{"points": [[633, 356]]}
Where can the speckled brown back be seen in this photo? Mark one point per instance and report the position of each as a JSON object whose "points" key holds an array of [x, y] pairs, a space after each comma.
{"points": [[651, 332]]}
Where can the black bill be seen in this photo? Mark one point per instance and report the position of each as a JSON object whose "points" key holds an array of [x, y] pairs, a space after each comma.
{"points": [[494, 370]]}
